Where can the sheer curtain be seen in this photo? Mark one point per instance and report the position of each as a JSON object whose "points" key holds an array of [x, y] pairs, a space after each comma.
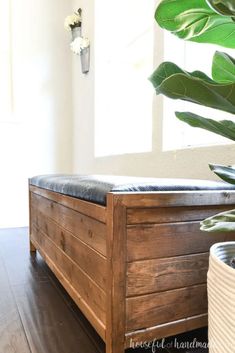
{"points": [[6, 99]]}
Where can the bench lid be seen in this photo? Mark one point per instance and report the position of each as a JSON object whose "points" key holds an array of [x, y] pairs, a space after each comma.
{"points": [[94, 188]]}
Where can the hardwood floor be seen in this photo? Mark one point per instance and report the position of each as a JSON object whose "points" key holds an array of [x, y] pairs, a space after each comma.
{"points": [[37, 315]]}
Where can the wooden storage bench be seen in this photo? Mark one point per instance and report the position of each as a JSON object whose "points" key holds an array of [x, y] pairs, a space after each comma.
{"points": [[129, 251]]}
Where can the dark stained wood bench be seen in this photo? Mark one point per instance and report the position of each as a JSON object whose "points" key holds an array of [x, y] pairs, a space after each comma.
{"points": [[129, 251]]}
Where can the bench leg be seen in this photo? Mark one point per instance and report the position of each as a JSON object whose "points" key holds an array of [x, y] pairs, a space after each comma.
{"points": [[32, 247]]}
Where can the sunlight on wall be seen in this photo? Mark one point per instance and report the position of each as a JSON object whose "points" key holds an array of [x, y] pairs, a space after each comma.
{"points": [[123, 62], [36, 138]]}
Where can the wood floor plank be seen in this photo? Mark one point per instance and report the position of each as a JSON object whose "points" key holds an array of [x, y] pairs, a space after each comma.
{"points": [[48, 322], [36, 313], [87, 327], [12, 334]]}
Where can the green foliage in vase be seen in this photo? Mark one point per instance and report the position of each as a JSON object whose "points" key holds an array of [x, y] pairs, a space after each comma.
{"points": [[203, 21]]}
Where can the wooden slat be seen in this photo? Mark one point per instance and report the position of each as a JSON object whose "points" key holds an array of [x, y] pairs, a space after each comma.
{"points": [[159, 308], [165, 330], [90, 261], [87, 208], [160, 275], [176, 198], [89, 292], [90, 315], [172, 214], [116, 286], [89, 230], [169, 240]]}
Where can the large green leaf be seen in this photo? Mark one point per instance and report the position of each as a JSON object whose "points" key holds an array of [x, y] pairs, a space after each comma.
{"points": [[222, 222], [223, 68], [195, 20], [225, 128], [196, 87], [223, 7], [224, 172]]}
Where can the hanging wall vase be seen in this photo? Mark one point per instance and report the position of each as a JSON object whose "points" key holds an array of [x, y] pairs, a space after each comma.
{"points": [[85, 60], [79, 44], [76, 32]]}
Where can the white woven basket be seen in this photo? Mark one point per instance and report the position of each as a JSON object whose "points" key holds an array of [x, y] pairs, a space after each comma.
{"points": [[221, 297]]}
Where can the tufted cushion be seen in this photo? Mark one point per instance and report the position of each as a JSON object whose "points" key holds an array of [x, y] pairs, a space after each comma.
{"points": [[95, 187]]}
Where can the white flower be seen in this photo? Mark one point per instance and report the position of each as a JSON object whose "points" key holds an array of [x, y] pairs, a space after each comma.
{"points": [[72, 21], [85, 43], [79, 44]]}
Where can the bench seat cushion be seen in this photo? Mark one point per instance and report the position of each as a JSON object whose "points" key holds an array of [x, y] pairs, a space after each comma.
{"points": [[94, 188]]}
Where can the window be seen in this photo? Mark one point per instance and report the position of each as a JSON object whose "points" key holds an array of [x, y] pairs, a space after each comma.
{"points": [[123, 62], [5, 61], [189, 56]]}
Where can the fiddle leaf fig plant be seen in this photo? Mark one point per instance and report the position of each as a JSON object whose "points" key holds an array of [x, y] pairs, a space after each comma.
{"points": [[225, 128], [222, 222], [203, 21], [197, 21], [194, 87], [223, 68], [225, 173], [224, 7]]}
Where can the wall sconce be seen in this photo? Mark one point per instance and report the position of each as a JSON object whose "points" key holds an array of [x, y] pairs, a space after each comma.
{"points": [[79, 45]]}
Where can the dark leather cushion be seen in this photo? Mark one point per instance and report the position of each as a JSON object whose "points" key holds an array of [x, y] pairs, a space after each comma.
{"points": [[95, 187]]}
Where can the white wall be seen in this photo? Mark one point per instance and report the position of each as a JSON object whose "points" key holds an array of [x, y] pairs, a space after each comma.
{"points": [[40, 140], [49, 89], [190, 163]]}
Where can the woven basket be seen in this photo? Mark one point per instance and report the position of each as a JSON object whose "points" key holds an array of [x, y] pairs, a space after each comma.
{"points": [[221, 297]]}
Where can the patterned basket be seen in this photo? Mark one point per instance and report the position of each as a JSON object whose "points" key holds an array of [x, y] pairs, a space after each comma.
{"points": [[221, 297]]}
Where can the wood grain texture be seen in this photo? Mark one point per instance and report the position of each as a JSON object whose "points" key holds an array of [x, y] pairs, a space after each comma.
{"points": [[158, 260], [40, 319], [12, 334], [116, 285], [160, 275], [172, 214], [169, 240], [32, 247], [89, 293], [51, 331], [166, 330], [159, 308], [177, 198], [49, 317], [90, 261], [75, 295], [87, 229], [93, 210]]}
